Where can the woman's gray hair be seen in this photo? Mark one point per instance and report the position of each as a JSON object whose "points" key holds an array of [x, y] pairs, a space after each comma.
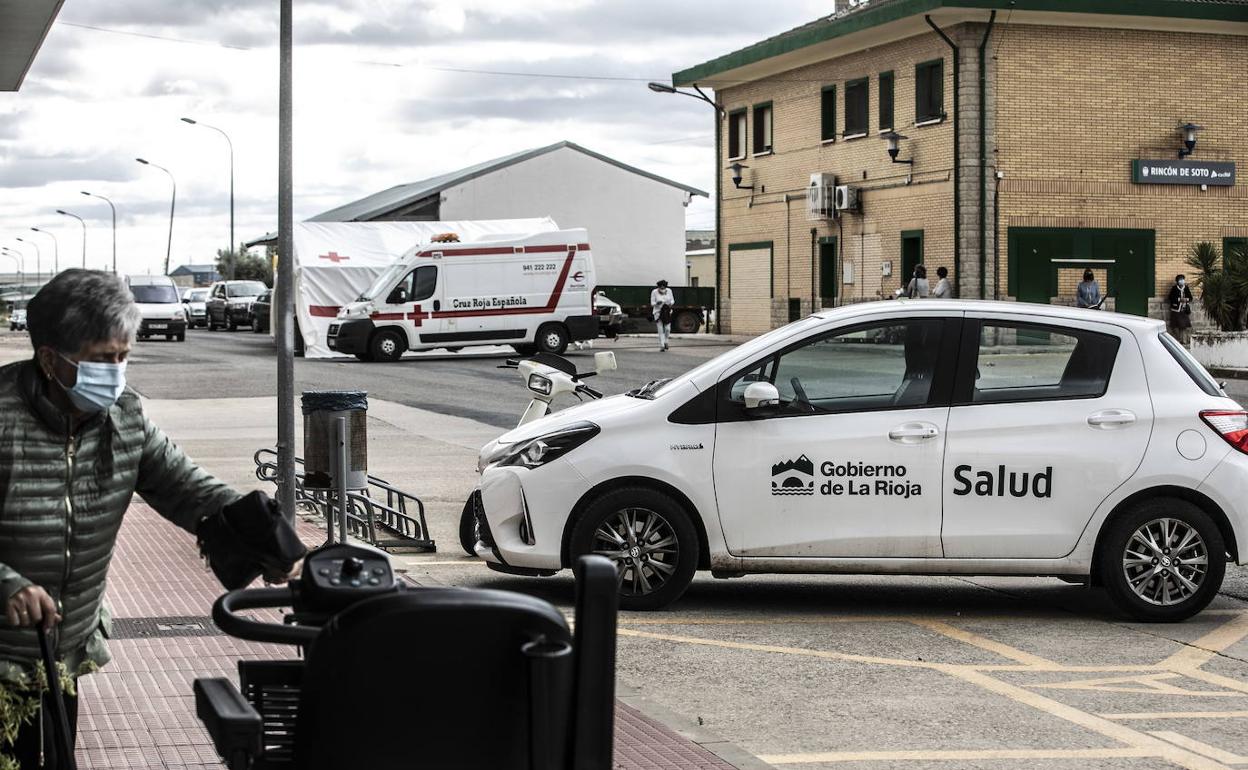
{"points": [[79, 307]]}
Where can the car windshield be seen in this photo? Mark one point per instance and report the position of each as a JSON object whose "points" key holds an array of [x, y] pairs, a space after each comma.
{"points": [[154, 295], [245, 289], [383, 282], [198, 296]]}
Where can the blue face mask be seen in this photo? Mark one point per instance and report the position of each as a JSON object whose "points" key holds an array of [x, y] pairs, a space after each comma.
{"points": [[98, 386]]}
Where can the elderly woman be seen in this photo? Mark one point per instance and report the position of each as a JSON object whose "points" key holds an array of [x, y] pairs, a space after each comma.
{"points": [[74, 448]]}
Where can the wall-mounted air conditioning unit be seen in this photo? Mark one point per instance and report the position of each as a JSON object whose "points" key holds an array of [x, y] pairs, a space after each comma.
{"points": [[820, 198], [846, 198]]}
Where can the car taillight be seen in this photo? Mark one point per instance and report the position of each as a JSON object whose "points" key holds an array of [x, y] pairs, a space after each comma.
{"points": [[1231, 426]]}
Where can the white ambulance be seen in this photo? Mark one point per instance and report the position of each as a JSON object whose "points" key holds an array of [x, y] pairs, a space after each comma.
{"points": [[533, 293]]}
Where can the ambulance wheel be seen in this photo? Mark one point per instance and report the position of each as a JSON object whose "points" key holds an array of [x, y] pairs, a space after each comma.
{"points": [[552, 338], [1163, 561], [387, 345], [649, 537], [469, 532]]}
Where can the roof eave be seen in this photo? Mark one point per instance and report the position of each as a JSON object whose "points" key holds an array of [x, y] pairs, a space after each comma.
{"points": [[735, 66]]}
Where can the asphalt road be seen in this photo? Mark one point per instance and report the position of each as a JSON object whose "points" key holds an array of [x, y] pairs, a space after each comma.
{"points": [[467, 384]]}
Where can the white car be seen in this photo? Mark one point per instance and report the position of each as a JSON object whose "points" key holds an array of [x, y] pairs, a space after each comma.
{"points": [[17, 319], [906, 437], [196, 306]]}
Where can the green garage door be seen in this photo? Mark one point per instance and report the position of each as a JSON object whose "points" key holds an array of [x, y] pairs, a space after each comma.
{"points": [[1043, 263]]}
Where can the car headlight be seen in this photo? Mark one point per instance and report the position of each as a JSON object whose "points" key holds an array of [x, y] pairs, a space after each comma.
{"points": [[540, 384], [540, 450]]}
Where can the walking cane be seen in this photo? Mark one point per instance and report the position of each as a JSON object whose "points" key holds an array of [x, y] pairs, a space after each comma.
{"points": [[60, 719]]}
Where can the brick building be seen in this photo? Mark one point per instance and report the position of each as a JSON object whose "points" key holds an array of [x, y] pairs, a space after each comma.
{"points": [[1044, 138]]}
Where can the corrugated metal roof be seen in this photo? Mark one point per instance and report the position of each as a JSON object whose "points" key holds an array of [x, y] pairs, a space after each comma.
{"points": [[400, 196]]}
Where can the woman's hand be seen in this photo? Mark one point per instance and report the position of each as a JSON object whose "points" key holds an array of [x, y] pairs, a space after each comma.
{"points": [[32, 606]]}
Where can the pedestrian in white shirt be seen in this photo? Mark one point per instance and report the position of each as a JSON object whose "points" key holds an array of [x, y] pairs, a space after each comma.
{"points": [[943, 290], [661, 301]]}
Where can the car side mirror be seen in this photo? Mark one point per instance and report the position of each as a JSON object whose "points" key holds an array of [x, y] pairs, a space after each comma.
{"points": [[761, 396], [186, 301], [604, 361]]}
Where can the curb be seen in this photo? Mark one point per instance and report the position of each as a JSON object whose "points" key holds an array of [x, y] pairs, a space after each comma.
{"points": [[689, 729], [1232, 374]]}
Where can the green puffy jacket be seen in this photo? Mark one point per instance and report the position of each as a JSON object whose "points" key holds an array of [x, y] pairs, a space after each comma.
{"points": [[62, 497]]}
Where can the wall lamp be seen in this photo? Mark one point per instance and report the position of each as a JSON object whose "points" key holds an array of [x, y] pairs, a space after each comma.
{"points": [[894, 146], [1188, 130], [736, 177]]}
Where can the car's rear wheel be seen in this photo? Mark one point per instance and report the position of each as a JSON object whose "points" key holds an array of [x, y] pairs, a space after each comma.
{"points": [[387, 345], [1163, 561], [649, 537], [552, 338]]}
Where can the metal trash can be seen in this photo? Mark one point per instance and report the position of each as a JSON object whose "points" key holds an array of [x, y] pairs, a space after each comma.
{"points": [[321, 409]]}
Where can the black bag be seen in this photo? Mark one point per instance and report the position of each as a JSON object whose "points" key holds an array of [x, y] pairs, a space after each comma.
{"points": [[249, 538]]}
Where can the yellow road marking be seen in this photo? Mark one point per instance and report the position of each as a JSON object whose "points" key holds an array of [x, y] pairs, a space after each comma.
{"points": [[1201, 651], [781, 650], [1145, 683], [984, 643], [1178, 715], [412, 564], [630, 620], [1204, 749], [1134, 738], [1218, 679], [954, 754]]}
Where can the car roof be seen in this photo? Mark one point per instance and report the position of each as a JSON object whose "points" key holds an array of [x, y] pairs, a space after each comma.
{"points": [[1137, 324]]}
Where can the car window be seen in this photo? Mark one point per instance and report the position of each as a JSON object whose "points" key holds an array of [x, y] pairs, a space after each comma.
{"points": [[1028, 362], [1194, 368], [245, 289], [881, 366], [417, 285], [151, 294]]}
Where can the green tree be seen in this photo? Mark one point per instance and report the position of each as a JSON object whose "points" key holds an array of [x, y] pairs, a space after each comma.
{"points": [[1223, 283], [247, 267]]}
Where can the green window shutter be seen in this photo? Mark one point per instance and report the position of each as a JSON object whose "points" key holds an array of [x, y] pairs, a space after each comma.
{"points": [[929, 90], [886, 100], [856, 107], [827, 113]]}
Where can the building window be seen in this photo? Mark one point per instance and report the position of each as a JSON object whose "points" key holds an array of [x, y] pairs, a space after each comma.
{"points": [[929, 91], [856, 107], [827, 114], [736, 135], [762, 128], [886, 101]]}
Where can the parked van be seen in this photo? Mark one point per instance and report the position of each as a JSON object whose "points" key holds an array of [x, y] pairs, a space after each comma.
{"points": [[533, 293], [161, 306]]}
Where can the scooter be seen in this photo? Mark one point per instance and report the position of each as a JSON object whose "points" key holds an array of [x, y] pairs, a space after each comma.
{"points": [[547, 376]]}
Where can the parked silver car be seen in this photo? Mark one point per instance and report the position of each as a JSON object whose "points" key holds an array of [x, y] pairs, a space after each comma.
{"points": [[196, 306]]}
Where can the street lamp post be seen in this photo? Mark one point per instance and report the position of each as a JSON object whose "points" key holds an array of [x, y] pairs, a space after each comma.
{"points": [[172, 202], [56, 250], [663, 88], [38, 259], [21, 263], [229, 254], [114, 208], [84, 234]]}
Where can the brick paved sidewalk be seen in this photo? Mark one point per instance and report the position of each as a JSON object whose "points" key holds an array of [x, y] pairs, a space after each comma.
{"points": [[139, 711]]}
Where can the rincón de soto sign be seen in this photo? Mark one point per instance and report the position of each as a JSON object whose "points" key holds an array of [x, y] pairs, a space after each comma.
{"points": [[1211, 172]]}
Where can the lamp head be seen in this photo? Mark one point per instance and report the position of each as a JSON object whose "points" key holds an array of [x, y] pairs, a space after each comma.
{"points": [[145, 163], [188, 120], [736, 174], [61, 211], [661, 88], [1188, 131]]}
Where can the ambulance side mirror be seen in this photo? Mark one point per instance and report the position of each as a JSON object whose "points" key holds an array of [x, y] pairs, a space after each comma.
{"points": [[604, 361], [760, 396]]}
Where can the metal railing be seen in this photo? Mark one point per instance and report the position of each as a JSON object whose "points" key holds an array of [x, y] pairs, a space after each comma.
{"points": [[381, 514]]}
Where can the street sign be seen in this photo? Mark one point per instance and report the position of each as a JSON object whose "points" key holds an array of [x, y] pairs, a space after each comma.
{"points": [[1208, 172]]}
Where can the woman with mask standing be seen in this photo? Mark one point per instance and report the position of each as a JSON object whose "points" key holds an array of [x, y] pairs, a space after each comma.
{"points": [[1088, 294], [661, 301], [75, 446], [1179, 319]]}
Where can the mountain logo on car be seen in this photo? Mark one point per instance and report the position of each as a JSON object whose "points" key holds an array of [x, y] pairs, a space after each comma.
{"points": [[793, 477]]}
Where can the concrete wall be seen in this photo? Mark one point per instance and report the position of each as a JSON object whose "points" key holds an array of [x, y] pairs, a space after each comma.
{"points": [[1075, 106], [636, 225]]}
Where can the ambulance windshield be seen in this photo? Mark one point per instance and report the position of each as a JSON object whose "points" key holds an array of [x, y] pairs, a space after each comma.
{"points": [[383, 282]]}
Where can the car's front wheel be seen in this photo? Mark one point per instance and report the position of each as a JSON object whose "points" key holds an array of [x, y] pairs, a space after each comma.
{"points": [[387, 345], [649, 537], [1163, 561]]}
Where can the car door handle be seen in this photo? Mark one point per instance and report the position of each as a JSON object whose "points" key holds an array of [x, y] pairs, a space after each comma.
{"points": [[913, 432], [1111, 418]]}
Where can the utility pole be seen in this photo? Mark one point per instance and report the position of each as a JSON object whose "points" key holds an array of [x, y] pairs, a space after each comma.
{"points": [[285, 274]]}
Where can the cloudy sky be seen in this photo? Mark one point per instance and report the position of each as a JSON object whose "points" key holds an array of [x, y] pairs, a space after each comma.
{"points": [[386, 92]]}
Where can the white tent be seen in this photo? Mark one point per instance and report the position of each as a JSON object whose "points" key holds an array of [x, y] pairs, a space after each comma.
{"points": [[336, 261]]}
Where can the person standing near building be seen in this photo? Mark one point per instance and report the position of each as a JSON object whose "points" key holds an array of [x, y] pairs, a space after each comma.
{"points": [[1179, 319], [943, 289], [1088, 294], [661, 301], [918, 286]]}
